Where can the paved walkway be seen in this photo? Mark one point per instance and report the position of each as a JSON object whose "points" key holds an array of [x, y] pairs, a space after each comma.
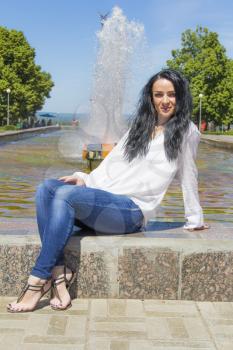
{"points": [[226, 138], [100, 324], [222, 141]]}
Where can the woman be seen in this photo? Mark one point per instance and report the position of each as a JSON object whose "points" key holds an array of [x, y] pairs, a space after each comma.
{"points": [[123, 193]]}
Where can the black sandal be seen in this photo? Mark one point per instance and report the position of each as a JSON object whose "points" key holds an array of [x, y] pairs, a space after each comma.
{"points": [[32, 287], [68, 283]]}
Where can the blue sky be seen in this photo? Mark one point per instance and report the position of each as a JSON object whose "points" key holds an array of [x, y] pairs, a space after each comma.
{"points": [[63, 34]]}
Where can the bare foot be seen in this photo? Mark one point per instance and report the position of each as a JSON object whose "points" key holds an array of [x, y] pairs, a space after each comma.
{"points": [[60, 299], [31, 297]]}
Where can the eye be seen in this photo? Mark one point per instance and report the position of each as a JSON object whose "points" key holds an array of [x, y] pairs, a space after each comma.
{"points": [[158, 94], [171, 94]]}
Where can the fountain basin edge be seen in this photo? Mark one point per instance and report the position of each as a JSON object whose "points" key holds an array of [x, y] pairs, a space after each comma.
{"points": [[125, 266]]}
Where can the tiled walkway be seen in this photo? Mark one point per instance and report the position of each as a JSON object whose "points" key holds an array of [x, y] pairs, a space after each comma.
{"points": [[100, 324]]}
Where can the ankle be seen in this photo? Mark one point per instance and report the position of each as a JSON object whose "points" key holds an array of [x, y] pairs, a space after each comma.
{"points": [[36, 280]]}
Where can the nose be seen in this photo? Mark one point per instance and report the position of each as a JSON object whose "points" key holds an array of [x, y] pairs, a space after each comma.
{"points": [[165, 98]]}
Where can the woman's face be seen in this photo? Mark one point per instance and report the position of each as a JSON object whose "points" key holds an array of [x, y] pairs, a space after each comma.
{"points": [[164, 99]]}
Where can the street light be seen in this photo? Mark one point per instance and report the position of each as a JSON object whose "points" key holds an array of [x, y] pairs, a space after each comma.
{"points": [[200, 97], [8, 105]]}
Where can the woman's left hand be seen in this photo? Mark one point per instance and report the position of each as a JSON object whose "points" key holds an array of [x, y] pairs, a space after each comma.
{"points": [[203, 227]]}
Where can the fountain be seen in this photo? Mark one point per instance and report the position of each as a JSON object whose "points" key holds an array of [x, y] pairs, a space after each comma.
{"points": [[118, 40]]}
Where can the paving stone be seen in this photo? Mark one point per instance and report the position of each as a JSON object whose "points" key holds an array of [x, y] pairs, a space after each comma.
{"points": [[170, 345], [118, 319], [224, 345], [99, 308], [95, 344], [12, 331], [80, 304], [119, 345], [222, 333], [13, 316], [57, 325], [37, 324], [157, 328], [116, 307], [8, 326], [37, 339], [170, 308], [119, 327], [177, 328], [134, 308], [76, 325], [196, 329], [51, 347], [11, 341], [216, 310]]}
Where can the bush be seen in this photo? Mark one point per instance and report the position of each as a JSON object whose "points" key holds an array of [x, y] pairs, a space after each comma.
{"points": [[230, 132], [9, 127]]}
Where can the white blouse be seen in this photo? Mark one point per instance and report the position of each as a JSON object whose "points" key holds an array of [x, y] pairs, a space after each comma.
{"points": [[145, 180]]}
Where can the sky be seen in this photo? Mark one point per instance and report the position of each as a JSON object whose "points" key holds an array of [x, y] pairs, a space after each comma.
{"points": [[63, 34]]}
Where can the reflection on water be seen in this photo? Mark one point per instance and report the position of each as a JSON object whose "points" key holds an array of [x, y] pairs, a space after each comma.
{"points": [[24, 164]]}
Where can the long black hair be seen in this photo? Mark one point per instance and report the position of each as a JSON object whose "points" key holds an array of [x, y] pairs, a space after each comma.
{"points": [[146, 119]]}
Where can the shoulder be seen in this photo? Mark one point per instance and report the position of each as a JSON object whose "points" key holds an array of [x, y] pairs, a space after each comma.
{"points": [[193, 129], [191, 141], [192, 134]]}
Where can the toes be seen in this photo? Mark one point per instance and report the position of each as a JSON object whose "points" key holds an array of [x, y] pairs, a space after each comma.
{"points": [[56, 305], [12, 308], [15, 308]]}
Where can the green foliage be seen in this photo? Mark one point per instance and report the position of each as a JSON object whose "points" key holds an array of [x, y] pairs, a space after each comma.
{"points": [[9, 127], [29, 85], [203, 60], [225, 133]]}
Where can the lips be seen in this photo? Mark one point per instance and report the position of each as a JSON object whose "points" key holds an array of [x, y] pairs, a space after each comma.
{"points": [[165, 109]]}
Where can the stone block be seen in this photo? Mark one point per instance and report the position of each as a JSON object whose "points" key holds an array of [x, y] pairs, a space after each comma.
{"points": [[207, 276], [16, 262], [148, 273]]}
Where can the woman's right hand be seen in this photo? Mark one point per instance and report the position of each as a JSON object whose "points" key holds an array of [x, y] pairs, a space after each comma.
{"points": [[73, 180]]}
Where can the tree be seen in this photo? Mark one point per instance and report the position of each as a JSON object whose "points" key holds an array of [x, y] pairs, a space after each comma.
{"points": [[29, 85], [203, 60]]}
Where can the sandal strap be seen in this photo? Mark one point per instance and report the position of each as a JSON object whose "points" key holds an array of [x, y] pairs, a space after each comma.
{"points": [[63, 278], [55, 291], [32, 287], [60, 280]]}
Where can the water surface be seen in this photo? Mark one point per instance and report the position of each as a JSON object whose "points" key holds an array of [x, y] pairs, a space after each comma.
{"points": [[24, 164]]}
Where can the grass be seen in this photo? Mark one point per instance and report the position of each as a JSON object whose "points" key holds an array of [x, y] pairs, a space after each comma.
{"points": [[225, 133], [8, 128]]}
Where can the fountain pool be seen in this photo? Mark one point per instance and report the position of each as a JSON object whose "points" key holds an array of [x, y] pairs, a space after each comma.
{"points": [[24, 164]]}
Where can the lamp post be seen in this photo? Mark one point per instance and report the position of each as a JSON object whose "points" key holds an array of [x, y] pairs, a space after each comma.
{"points": [[8, 105], [200, 97]]}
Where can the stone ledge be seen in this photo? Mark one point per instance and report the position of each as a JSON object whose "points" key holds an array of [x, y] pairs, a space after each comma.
{"points": [[10, 136], [225, 142], [130, 266]]}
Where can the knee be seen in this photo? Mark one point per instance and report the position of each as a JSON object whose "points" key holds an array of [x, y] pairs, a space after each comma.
{"points": [[65, 193], [72, 194], [47, 185]]}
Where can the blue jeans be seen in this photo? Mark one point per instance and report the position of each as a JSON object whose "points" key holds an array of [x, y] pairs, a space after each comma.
{"points": [[58, 205]]}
